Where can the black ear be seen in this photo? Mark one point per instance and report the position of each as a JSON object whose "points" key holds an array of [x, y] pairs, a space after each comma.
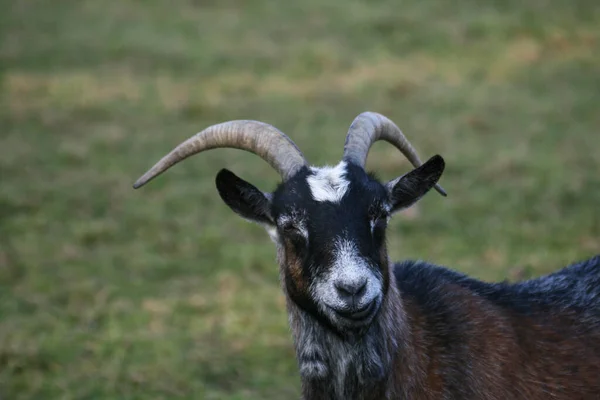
{"points": [[243, 198], [409, 188]]}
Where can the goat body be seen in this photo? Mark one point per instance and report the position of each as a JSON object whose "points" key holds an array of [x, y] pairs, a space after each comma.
{"points": [[365, 329], [443, 335]]}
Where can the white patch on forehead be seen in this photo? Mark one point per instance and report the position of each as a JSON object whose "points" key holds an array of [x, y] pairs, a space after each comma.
{"points": [[328, 183]]}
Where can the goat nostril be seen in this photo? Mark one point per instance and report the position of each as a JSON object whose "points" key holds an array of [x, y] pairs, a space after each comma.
{"points": [[342, 289], [361, 291], [351, 289]]}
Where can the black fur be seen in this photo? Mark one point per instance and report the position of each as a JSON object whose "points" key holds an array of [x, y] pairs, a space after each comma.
{"points": [[575, 287], [409, 188], [243, 198]]}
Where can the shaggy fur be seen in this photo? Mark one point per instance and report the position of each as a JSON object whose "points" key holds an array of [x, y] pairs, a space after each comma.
{"points": [[443, 335]]}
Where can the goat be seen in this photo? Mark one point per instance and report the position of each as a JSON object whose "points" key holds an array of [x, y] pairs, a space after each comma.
{"points": [[365, 328]]}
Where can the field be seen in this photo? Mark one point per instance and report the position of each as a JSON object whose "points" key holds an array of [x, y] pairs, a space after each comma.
{"points": [[164, 293]]}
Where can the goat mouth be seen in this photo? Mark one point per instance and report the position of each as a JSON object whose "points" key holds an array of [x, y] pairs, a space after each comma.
{"points": [[358, 315]]}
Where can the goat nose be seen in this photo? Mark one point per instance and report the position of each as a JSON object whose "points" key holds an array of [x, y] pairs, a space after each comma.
{"points": [[351, 289]]}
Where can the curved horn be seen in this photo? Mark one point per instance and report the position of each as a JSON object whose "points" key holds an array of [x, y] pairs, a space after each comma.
{"points": [[256, 137], [370, 127]]}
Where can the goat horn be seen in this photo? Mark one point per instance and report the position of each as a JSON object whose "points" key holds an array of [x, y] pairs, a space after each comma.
{"points": [[370, 127], [256, 137]]}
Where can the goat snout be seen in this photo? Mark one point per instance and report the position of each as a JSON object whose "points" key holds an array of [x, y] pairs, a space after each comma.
{"points": [[351, 291], [354, 299]]}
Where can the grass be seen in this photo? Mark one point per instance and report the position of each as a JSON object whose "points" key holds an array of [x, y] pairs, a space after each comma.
{"points": [[110, 293]]}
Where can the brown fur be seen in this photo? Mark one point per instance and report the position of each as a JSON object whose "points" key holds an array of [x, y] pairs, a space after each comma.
{"points": [[487, 353], [294, 269], [506, 356]]}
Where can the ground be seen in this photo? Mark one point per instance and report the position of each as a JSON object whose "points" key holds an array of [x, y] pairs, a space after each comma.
{"points": [[111, 293]]}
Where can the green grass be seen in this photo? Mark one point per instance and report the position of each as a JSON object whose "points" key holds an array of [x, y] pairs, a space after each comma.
{"points": [[110, 293]]}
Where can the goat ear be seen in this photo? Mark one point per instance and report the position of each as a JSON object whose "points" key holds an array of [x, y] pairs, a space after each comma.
{"points": [[409, 188], [244, 198]]}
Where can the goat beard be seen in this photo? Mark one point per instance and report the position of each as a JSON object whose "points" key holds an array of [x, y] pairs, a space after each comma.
{"points": [[323, 353]]}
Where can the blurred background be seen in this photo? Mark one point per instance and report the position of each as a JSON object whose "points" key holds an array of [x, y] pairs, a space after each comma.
{"points": [[162, 293]]}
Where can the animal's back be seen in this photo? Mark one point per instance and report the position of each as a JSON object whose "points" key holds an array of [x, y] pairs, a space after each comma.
{"points": [[534, 339], [576, 286]]}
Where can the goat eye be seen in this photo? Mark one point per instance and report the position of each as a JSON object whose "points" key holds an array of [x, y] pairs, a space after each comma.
{"points": [[288, 228], [291, 230], [379, 222], [295, 237], [378, 226]]}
